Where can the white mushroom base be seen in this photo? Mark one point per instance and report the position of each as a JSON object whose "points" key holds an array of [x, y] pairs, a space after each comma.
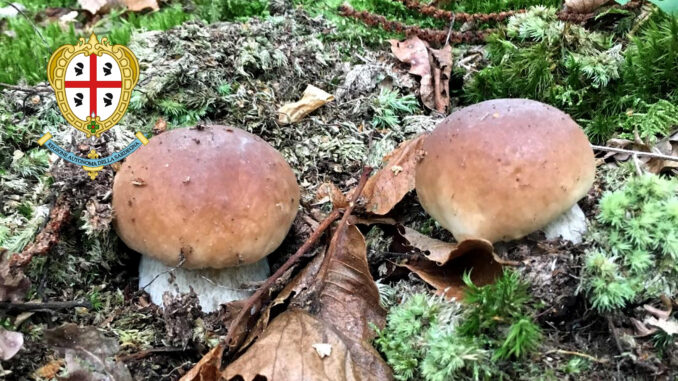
{"points": [[570, 226], [213, 287]]}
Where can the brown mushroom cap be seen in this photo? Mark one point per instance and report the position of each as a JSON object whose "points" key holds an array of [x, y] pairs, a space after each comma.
{"points": [[504, 168], [218, 196]]}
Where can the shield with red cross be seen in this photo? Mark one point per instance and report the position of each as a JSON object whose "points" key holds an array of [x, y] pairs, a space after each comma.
{"points": [[93, 83]]}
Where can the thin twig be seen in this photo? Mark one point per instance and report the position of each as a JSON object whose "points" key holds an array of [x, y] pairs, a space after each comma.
{"points": [[40, 306], [584, 355], [182, 260], [28, 89], [449, 31], [632, 152], [250, 305], [148, 352]]}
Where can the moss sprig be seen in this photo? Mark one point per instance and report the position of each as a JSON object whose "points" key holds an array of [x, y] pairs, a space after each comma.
{"points": [[635, 254]]}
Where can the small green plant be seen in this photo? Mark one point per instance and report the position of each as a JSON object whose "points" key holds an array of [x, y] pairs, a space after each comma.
{"points": [[390, 106], [428, 338], [635, 253], [576, 365], [499, 313]]}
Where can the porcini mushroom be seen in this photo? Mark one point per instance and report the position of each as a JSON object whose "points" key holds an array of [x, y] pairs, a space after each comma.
{"points": [[213, 201], [501, 169]]}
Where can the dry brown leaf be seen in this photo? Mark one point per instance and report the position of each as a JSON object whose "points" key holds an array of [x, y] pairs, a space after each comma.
{"points": [[285, 352], [140, 5], [104, 6], [208, 368], [434, 66], [49, 370], [441, 68], [584, 6], [89, 354], [447, 279], [413, 52], [391, 183], [298, 284], [345, 301], [667, 146], [439, 251], [329, 192], [312, 99], [10, 343], [160, 126], [669, 326]]}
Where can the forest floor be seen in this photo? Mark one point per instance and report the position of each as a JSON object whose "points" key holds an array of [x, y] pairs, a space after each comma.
{"points": [[239, 73]]}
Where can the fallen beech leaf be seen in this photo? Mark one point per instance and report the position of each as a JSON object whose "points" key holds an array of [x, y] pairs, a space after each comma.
{"points": [[103, 6], [207, 369], [584, 6], [441, 68], [285, 352], [667, 146], [140, 5], [414, 52], [330, 192], [434, 66], [670, 326], [345, 301], [387, 187], [301, 282], [10, 343], [447, 279], [312, 99], [13, 282], [439, 251], [89, 354]]}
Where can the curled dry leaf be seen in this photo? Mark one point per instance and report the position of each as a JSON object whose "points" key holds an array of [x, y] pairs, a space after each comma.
{"points": [[432, 65], [207, 369], [344, 301], [584, 6], [10, 343], [89, 354], [448, 278], [313, 98], [445, 264], [391, 183], [439, 251]]}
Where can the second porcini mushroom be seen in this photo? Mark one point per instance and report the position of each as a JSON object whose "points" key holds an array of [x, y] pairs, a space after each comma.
{"points": [[501, 169], [204, 206]]}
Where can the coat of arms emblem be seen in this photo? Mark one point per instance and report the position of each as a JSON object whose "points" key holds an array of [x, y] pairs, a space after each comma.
{"points": [[93, 83]]}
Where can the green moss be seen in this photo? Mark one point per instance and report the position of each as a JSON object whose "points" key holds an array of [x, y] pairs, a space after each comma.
{"points": [[23, 54], [635, 254], [390, 106], [428, 338], [587, 74]]}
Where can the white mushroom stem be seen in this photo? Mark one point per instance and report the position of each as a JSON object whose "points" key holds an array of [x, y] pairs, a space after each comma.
{"points": [[570, 226], [213, 287]]}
